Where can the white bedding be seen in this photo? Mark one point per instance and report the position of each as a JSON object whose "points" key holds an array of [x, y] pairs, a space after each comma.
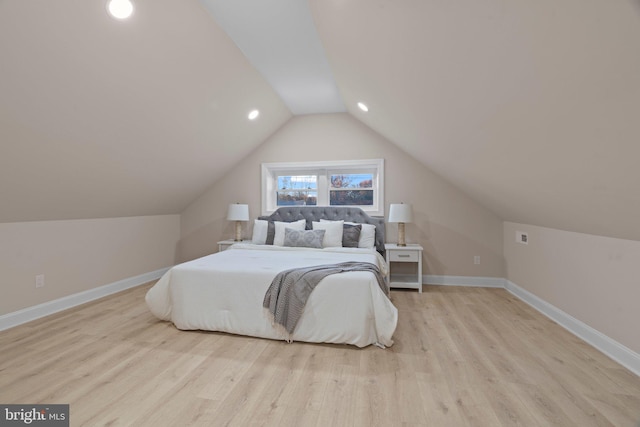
{"points": [[224, 292]]}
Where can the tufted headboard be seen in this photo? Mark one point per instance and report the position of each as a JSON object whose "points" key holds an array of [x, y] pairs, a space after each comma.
{"points": [[332, 213]]}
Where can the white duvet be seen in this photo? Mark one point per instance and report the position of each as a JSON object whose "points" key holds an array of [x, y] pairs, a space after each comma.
{"points": [[224, 292]]}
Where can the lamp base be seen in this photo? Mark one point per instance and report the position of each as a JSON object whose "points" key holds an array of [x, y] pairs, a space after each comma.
{"points": [[238, 232], [401, 241]]}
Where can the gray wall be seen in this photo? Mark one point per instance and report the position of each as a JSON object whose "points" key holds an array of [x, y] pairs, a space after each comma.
{"points": [[592, 278], [78, 255], [451, 227]]}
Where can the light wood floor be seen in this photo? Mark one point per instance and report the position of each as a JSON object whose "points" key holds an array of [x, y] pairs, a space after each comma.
{"points": [[462, 357]]}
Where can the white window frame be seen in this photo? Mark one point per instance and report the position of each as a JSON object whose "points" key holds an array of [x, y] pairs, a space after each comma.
{"points": [[323, 169]]}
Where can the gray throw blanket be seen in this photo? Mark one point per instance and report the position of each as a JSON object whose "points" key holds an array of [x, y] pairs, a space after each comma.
{"points": [[286, 297]]}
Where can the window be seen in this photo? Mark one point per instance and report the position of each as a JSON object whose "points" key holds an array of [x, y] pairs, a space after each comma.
{"points": [[338, 183], [297, 190], [351, 189]]}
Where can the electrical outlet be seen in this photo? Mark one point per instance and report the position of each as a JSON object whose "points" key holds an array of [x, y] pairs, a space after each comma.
{"points": [[476, 260], [522, 237], [39, 280]]}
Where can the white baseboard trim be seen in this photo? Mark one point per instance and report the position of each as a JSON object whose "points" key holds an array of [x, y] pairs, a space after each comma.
{"points": [[50, 307], [618, 352], [484, 282]]}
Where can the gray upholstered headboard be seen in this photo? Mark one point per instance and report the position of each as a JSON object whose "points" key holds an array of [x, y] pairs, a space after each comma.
{"points": [[333, 213]]}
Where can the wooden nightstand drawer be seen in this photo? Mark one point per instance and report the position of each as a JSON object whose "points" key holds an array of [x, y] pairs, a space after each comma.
{"points": [[405, 256]]}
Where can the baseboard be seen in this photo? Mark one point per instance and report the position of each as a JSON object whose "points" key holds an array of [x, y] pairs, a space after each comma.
{"points": [[603, 343], [608, 346], [50, 307], [616, 351], [484, 282]]}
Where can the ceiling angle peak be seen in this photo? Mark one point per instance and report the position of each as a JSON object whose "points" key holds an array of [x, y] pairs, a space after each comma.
{"points": [[280, 40]]}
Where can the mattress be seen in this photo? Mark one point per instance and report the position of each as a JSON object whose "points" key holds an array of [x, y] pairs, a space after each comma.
{"points": [[224, 292]]}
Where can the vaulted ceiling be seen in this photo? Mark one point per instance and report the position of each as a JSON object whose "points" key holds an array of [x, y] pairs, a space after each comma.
{"points": [[532, 108]]}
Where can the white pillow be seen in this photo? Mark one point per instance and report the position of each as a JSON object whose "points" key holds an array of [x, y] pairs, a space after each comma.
{"points": [[260, 229], [367, 234], [278, 238], [332, 234]]}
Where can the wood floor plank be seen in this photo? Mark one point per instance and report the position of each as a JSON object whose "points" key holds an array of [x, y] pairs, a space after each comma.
{"points": [[282, 365], [304, 409], [150, 387], [462, 357], [382, 390], [338, 407]]}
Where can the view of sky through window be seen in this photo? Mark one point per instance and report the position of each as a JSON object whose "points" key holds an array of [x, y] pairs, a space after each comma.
{"points": [[352, 180], [330, 183], [297, 190], [297, 182], [355, 189]]}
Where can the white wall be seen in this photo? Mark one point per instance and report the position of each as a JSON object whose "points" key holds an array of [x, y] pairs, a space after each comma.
{"points": [[594, 279], [451, 227], [78, 255]]}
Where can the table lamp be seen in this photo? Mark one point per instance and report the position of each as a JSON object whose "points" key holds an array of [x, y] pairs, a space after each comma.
{"points": [[238, 213], [400, 213]]}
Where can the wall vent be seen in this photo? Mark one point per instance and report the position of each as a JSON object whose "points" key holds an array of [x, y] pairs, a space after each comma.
{"points": [[522, 237]]}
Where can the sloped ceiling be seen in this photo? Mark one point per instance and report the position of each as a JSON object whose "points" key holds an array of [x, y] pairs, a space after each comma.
{"points": [[529, 107], [280, 40], [107, 118], [532, 108]]}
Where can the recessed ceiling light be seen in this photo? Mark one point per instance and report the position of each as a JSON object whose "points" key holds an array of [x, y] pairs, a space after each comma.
{"points": [[363, 107], [254, 114], [120, 9]]}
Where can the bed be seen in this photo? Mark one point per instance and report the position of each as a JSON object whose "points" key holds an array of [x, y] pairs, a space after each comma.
{"points": [[224, 291]]}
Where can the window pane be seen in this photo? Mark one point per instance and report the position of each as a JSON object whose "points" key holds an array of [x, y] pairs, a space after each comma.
{"points": [[288, 198], [352, 180], [320, 183], [297, 182], [351, 197]]}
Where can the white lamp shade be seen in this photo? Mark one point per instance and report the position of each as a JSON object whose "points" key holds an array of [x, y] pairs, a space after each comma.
{"points": [[238, 212], [400, 212]]}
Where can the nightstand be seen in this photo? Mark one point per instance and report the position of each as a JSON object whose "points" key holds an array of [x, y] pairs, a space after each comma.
{"points": [[406, 254], [223, 245]]}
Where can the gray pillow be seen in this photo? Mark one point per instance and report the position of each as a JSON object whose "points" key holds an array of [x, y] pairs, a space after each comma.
{"points": [[303, 238], [351, 235], [271, 233]]}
